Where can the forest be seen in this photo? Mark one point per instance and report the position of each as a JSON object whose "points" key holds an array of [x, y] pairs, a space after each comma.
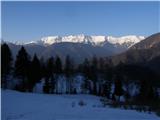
{"points": [[101, 77]]}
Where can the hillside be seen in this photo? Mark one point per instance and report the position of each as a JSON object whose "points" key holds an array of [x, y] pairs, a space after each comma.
{"points": [[144, 51], [30, 106]]}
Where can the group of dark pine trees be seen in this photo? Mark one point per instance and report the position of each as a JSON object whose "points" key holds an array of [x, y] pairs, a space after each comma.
{"points": [[29, 71], [100, 75]]}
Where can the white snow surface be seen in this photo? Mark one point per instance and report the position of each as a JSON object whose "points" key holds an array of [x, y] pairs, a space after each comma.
{"points": [[31, 106]]}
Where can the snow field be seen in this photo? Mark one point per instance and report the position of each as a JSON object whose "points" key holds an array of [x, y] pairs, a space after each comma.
{"points": [[33, 106]]}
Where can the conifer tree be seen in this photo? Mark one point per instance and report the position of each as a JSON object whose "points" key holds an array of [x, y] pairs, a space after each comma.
{"points": [[101, 66], [50, 67], [21, 68], [68, 73], [146, 92], [36, 68], [6, 63], [94, 75], [68, 66], [108, 79], [34, 73], [118, 90], [86, 70], [58, 71], [49, 78], [58, 65], [43, 68]]}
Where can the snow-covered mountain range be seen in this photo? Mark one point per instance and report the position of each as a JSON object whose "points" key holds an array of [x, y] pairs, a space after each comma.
{"points": [[93, 40], [77, 46]]}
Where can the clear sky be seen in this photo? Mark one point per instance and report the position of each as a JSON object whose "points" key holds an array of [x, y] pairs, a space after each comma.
{"points": [[26, 21]]}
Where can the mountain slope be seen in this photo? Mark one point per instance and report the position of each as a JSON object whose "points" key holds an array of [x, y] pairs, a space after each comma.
{"points": [[77, 51], [150, 42], [143, 51]]}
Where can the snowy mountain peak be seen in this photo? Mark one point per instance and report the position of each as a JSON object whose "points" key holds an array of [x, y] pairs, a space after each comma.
{"points": [[132, 39], [50, 40], [94, 40]]}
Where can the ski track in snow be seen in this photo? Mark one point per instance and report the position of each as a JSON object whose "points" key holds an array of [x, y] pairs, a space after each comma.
{"points": [[32, 106]]}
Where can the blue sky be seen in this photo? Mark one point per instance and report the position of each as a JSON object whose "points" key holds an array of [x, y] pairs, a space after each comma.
{"points": [[26, 21]]}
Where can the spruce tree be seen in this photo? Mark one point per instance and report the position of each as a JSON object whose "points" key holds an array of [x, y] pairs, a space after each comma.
{"points": [[46, 87], [6, 63], [118, 90], [58, 71], [68, 73], [108, 79], [86, 70], [101, 65], [94, 75], [36, 68], [146, 92], [49, 78], [21, 67], [107, 88], [50, 67], [34, 73], [58, 65], [43, 68], [68, 66]]}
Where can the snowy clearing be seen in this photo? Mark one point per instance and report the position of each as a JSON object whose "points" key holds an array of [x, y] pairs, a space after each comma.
{"points": [[31, 106]]}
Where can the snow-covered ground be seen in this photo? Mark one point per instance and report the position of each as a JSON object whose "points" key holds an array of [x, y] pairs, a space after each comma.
{"points": [[33, 106]]}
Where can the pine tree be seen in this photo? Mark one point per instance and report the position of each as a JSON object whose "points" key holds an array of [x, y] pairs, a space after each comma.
{"points": [[6, 63], [118, 90], [94, 76], [36, 67], [68, 73], [58, 65], [58, 71], [146, 92], [68, 66], [49, 78], [46, 87], [108, 79], [34, 73], [101, 66], [86, 70], [22, 64], [43, 68], [107, 89], [101, 72], [50, 67]]}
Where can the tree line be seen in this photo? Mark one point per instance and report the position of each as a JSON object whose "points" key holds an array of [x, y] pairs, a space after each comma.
{"points": [[100, 75], [30, 71]]}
